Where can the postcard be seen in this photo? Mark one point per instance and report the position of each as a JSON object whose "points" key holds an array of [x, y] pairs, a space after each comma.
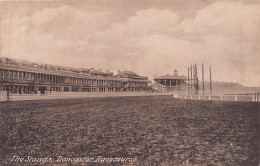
{"points": [[129, 82]]}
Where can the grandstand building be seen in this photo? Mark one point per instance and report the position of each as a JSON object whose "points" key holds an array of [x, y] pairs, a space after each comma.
{"points": [[18, 76]]}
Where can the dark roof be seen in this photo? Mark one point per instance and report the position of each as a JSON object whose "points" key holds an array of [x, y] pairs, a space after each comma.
{"points": [[171, 77], [29, 64]]}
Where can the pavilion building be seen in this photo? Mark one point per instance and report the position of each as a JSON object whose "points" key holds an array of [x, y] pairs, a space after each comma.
{"points": [[168, 83]]}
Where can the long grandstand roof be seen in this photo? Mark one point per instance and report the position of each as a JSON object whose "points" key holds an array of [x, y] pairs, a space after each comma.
{"points": [[50, 67]]}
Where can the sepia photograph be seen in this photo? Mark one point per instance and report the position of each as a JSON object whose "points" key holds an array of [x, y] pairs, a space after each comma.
{"points": [[130, 82]]}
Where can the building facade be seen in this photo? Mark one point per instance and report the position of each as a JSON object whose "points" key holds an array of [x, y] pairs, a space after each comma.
{"points": [[168, 83], [133, 82], [18, 76]]}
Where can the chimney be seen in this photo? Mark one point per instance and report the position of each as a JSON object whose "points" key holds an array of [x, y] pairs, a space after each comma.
{"points": [[175, 72]]}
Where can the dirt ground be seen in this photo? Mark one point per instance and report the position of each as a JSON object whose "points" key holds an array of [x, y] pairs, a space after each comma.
{"points": [[155, 130]]}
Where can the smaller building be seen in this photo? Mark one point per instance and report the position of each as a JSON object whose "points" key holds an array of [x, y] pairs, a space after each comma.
{"points": [[169, 83], [133, 82]]}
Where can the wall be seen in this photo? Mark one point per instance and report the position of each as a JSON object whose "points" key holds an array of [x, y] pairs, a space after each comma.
{"points": [[67, 95]]}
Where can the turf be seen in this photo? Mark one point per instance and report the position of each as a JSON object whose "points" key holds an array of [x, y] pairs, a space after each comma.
{"points": [[156, 130]]}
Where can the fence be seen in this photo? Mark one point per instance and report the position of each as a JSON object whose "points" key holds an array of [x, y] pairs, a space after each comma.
{"points": [[254, 97], [68, 95]]}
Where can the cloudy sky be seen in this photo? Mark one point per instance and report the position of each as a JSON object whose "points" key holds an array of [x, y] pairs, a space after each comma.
{"points": [[147, 36]]}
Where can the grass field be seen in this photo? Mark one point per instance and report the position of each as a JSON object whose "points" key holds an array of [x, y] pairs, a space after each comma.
{"points": [[155, 130]]}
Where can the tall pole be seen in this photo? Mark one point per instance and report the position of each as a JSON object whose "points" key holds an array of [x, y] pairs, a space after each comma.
{"points": [[188, 80], [191, 80], [194, 79], [195, 90], [197, 81], [210, 84], [203, 89]]}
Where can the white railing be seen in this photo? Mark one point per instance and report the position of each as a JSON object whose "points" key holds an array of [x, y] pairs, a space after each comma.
{"points": [[254, 97], [67, 95]]}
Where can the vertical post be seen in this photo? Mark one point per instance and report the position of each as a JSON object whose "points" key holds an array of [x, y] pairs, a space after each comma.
{"points": [[203, 89], [210, 83], [191, 80], [9, 75], [197, 79], [188, 80], [194, 79], [7, 93], [194, 82]]}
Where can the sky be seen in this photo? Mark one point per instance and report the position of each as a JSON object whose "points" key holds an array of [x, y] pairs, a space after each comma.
{"points": [[149, 37]]}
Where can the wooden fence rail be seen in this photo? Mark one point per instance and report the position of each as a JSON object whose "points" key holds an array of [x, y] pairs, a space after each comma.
{"points": [[254, 97], [67, 95]]}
